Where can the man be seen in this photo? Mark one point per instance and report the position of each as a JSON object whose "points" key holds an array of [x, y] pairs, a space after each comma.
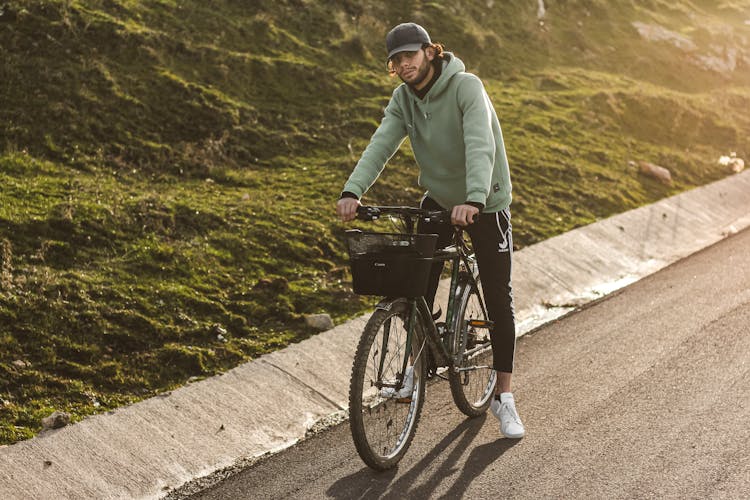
{"points": [[458, 145]]}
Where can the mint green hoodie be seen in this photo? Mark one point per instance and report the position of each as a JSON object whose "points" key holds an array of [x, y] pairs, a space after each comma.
{"points": [[456, 138]]}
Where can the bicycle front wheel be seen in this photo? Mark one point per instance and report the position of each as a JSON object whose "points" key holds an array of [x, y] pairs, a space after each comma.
{"points": [[383, 414], [472, 379]]}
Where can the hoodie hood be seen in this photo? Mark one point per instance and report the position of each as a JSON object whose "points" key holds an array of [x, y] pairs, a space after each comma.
{"points": [[451, 66]]}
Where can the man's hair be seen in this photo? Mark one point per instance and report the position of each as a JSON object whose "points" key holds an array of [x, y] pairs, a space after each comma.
{"points": [[439, 56]]}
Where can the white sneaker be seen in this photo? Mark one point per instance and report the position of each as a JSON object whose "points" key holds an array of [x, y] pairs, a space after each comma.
{"points": [[505, 411], [406, 389]]}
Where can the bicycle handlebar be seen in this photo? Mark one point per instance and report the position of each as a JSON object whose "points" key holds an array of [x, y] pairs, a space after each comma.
{"points": [[369, 213]]}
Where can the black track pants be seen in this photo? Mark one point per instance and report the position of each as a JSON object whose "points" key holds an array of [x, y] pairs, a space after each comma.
{"points": [[492, 239]]}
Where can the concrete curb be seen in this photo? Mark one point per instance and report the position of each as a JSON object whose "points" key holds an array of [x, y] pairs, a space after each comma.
{"points": [[148, 448]]}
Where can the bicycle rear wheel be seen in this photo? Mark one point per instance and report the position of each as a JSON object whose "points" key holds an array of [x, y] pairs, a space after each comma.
{"points": [[382, 424], [472, 380]]}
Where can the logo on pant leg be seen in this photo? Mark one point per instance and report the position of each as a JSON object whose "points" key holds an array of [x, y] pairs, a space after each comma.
{"points": [[505, 234]]}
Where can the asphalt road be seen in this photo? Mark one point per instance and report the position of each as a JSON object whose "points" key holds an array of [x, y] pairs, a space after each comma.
{"points": [[645, 394]]}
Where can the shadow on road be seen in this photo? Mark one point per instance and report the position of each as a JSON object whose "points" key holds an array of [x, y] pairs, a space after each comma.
{"points": [[480, 458], [423, 478]]}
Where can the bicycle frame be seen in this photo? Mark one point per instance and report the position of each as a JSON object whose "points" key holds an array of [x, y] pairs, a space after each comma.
{"points": [[418, 309], [457, 253]]}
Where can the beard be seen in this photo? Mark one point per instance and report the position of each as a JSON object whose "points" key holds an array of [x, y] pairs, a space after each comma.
{"points": [[420, 74]]}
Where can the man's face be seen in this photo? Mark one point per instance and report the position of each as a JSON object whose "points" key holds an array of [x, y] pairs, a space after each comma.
{"points": [[412, 67]]}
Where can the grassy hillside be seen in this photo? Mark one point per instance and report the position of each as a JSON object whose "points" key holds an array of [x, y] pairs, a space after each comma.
{"points": [[169, 169]]}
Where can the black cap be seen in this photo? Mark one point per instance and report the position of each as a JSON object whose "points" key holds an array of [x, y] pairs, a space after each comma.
{"points": [[406, 36]]}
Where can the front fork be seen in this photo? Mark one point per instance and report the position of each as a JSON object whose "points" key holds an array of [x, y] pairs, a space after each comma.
{"points": [[417, 312], [411, 322]]}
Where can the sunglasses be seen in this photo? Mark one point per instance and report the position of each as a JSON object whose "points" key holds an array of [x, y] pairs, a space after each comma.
{"points": [[398, 58]]}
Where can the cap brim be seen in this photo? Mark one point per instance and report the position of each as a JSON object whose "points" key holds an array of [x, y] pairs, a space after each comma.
{"points": [[404, 48]]}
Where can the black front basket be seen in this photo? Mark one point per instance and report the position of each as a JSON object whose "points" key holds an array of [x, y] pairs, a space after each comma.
{"points": [[396, 265]]}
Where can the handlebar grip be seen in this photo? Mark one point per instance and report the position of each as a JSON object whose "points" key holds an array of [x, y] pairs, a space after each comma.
{"points": [[441, 217], [367, 213]]}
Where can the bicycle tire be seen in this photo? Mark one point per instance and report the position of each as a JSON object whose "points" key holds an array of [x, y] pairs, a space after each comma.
{"points": [[472, 391], [382, 428]]}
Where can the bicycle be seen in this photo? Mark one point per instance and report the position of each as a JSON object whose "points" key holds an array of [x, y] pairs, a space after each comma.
{"points": [[401, 338]]}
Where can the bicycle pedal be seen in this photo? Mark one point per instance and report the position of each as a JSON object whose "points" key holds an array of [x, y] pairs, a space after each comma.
{"points": [[480, 323]]}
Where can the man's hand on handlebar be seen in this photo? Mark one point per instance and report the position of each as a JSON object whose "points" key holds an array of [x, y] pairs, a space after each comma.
{"points": [[346, 208], [463, 215]]}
